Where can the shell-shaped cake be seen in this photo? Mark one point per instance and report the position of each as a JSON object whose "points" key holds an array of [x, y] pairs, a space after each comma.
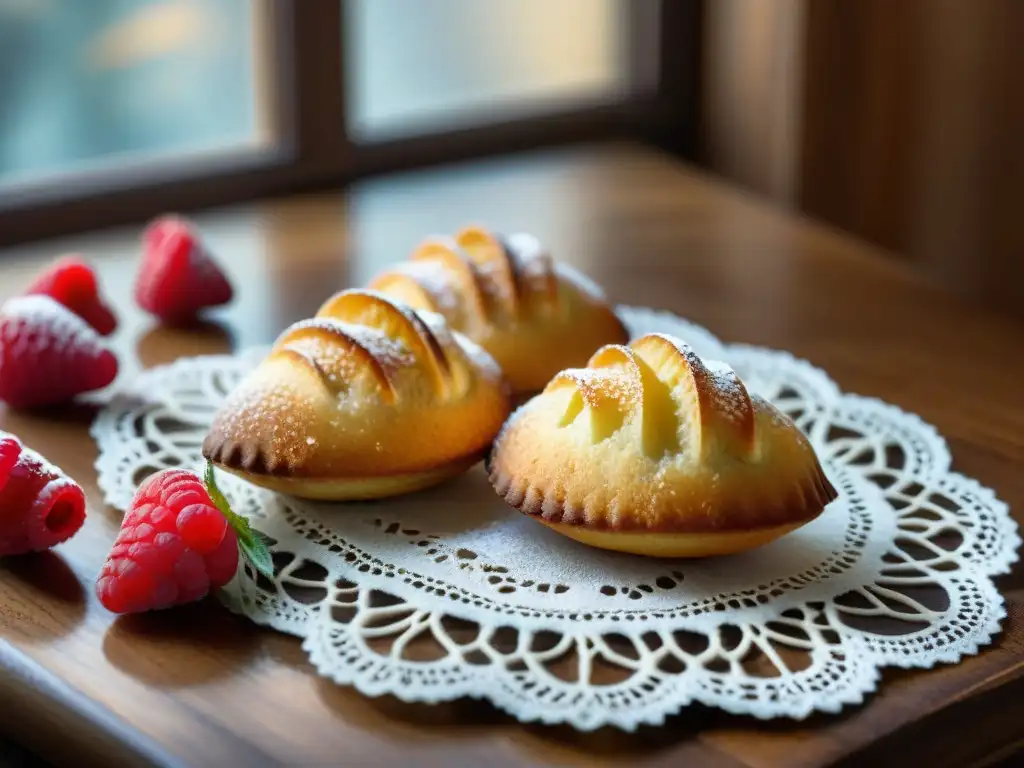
{"points": [[367, 399], [652, 451], [533, 315]]}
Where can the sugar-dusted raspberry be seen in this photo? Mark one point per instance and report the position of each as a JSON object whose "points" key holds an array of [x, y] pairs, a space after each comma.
{"points": [[48, 354], [178, 541], [40, 506]]}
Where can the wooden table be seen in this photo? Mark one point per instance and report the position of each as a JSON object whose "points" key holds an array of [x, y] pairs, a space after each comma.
{"points": [[201, 687]]}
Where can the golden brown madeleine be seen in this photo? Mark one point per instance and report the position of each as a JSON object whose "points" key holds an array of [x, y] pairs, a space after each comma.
{"points": [[367, 399], [534, 316], [649, 450]]}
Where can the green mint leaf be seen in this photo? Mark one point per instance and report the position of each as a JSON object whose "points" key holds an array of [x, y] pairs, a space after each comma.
{"points": [[256, 552], [252, 543], [210, 480]]}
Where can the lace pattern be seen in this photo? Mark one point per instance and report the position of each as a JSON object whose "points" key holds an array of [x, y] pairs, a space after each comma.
{"points": [[449, 593]]}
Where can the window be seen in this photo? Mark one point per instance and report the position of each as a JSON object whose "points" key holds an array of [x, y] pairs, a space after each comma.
{"points": [[420, 67], [115, 110], [86, 85]]}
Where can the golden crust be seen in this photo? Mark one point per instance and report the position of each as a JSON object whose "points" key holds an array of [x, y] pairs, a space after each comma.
{"points": [[367, 399], [673, 544], [533, 316], [371, 487], [658, 452]]}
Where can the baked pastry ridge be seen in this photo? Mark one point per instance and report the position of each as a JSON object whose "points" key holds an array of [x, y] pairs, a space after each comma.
{"points": [[534, 316], [650, 450], [368, 398]]}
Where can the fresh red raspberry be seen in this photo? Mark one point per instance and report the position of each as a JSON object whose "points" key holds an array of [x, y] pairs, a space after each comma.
{"points": [[48, 354], [10, 450], [40, 506], [178, 277], [72, 282], [175, 546]]}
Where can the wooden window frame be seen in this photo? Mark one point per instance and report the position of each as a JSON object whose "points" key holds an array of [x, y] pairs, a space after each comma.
{"points": [[311, 150]]}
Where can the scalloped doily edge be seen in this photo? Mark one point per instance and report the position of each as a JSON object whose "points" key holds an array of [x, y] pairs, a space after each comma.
{"points": [[974, 643], [511, 706]]}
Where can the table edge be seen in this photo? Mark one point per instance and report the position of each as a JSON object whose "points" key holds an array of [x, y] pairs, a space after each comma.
{"points": [[32, 691]]}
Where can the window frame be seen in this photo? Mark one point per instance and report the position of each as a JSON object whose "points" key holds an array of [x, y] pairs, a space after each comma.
{"points": [[311, 151]]}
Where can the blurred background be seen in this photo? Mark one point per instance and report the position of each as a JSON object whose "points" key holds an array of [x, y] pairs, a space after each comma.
{"points": [[116, 80], [900, 122]]}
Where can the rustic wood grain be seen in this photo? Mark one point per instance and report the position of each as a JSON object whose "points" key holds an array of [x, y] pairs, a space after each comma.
{"points": [[912, 118], [198, 686], [897, 121]]}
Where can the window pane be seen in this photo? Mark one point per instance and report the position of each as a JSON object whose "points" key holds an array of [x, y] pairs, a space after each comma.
{"points": [[416, 66], [100, 80]]}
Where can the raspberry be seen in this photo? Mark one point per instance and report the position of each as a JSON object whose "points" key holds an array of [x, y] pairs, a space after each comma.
{"points": [[73, 283], [178, 541], [40, 506], [178, 277], [48, 354]]}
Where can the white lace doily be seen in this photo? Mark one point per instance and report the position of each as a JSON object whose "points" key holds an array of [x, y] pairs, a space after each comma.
{"points": [[449, 593]]}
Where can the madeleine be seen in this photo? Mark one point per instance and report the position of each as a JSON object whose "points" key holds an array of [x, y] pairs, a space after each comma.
{"points": [[651, 451], [534, 316], [367, 399]]}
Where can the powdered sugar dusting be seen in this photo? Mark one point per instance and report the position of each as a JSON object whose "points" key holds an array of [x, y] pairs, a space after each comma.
{"points": [[526, 247], [390, 352], [272, 417], [48, 354], [536, 269], [53, 327], [618, 382], [728, 395], [332, 355], [436, 324], [446, 337], [432, 276], [605, 386], [478, 356], [495, 277]]}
